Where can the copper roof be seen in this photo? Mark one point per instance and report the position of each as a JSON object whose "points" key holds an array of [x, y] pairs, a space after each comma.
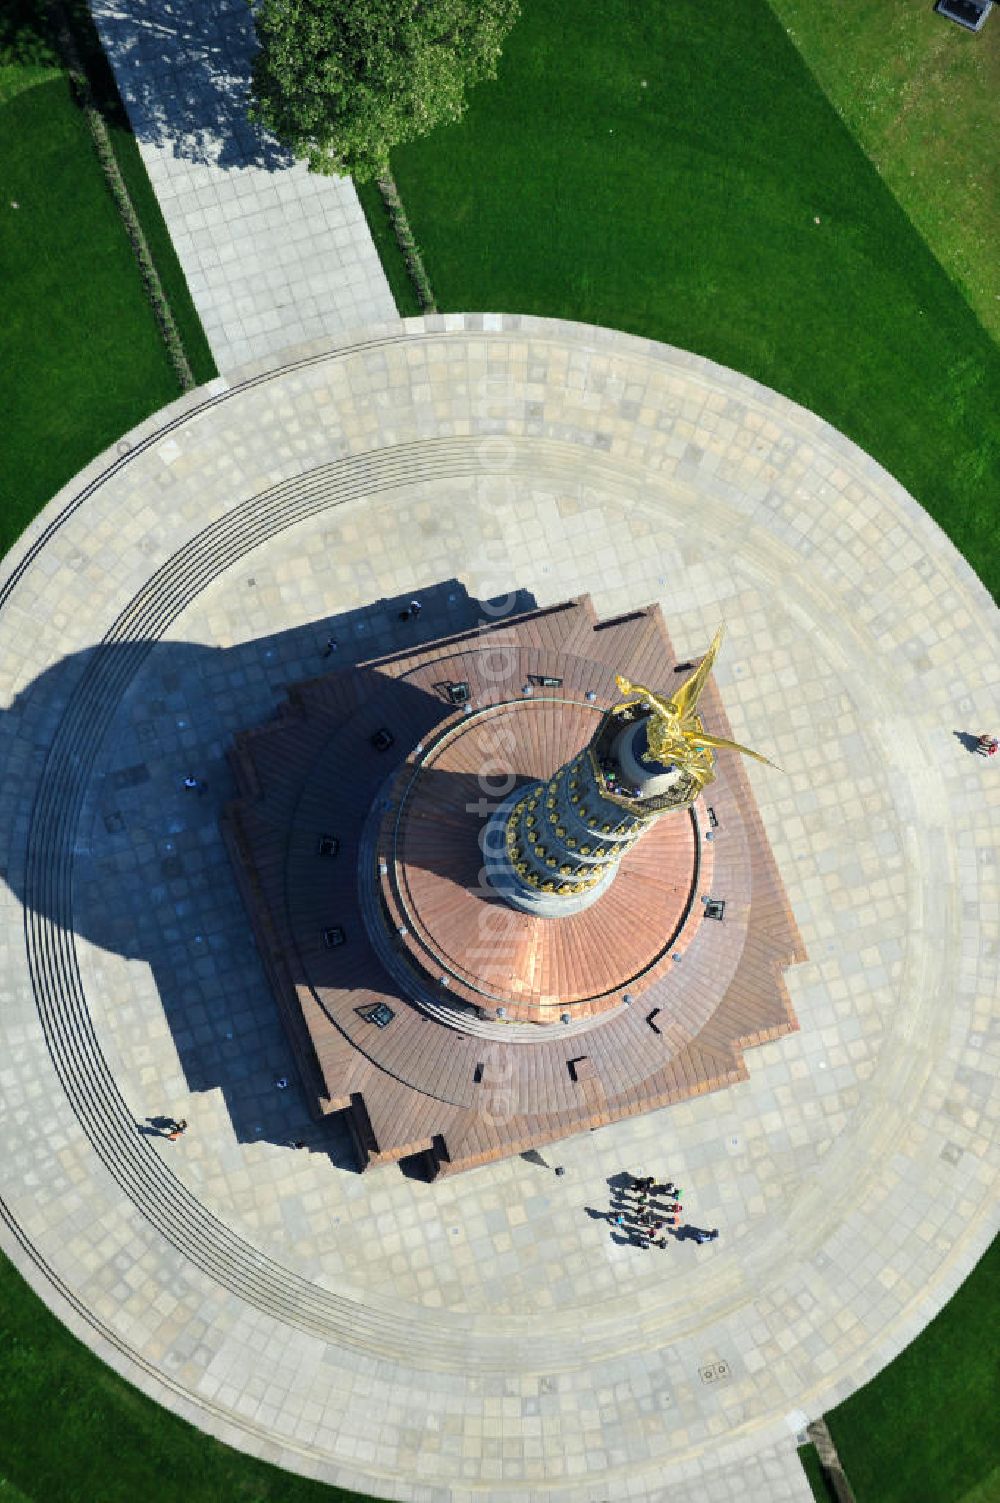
{"points": [[443, 1076], [491, 953]]}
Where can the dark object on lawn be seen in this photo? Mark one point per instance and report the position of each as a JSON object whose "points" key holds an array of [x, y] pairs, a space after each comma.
{"points": [[968, 13]]}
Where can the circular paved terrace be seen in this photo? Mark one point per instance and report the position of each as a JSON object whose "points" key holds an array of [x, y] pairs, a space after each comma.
{"points": [[485, 1337]]}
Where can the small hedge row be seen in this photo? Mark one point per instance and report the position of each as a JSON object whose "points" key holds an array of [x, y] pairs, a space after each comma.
{"points": [[407, 244]]}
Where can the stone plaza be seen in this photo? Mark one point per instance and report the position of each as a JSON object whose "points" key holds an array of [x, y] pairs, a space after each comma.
{"points": [[486, 1338]]}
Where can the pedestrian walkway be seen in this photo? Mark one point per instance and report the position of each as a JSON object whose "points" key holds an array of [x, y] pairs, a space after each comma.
{"points": [[272, 253]]}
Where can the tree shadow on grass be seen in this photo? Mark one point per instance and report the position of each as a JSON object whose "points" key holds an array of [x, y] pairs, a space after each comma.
{"points": [[26, 35]]}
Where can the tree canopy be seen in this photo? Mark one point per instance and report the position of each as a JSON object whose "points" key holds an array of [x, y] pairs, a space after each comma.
{"points": [[341, 82]]}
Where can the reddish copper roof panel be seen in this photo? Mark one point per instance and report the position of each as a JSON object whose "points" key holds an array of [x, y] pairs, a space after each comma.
{"points": [[313, 771]]}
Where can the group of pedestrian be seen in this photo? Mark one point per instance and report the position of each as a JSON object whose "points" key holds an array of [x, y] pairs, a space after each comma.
{"points": [[649, 1211], [646, 1209]]}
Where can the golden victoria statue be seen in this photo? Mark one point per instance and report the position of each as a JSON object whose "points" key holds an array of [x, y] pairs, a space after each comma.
{"points": [[674, 732], [556, 844]]}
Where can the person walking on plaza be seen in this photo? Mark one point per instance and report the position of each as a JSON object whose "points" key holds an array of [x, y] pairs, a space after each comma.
{"points": [[176, 1128], [986, 745], [702, 1236]]}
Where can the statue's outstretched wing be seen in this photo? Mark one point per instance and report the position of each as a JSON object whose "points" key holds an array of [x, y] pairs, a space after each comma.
{"points": [[702, 738], [689, 693]]}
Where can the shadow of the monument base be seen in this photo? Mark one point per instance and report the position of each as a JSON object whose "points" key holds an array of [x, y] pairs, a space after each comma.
{"points": [[151, 878]]}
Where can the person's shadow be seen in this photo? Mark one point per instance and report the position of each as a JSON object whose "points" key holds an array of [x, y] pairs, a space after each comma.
{"points": [[619, 1187], [969, 742], [688, 1233], [627, 1232], [142, 871]]}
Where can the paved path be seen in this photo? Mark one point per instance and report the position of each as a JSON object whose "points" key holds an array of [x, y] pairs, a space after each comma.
{"points": [[485, 1338], [272, 254]]}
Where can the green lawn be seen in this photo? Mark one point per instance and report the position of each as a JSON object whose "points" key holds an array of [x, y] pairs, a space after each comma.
{"points": [[923, 97], [927, 1428], [82, 356], [661, 169], [102, 1442]]}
